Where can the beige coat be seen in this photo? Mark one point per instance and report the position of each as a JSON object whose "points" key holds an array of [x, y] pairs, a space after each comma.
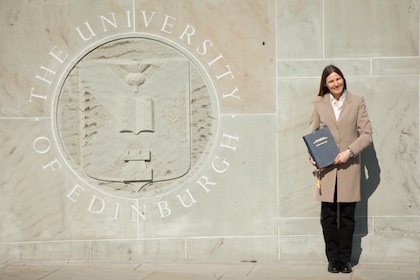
{"points": [[353, 130]]}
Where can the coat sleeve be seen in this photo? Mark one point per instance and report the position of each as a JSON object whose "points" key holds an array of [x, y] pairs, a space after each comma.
{"points": [[364, 128]]}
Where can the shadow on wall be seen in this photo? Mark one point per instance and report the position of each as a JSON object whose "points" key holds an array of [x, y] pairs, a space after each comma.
{"points": [[370, 179]]}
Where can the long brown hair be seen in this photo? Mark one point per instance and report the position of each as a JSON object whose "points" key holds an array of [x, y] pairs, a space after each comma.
{"points": [[323, 89]]}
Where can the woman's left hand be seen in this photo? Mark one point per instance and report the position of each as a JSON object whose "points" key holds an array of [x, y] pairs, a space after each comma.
{"points": [[342, 157]]}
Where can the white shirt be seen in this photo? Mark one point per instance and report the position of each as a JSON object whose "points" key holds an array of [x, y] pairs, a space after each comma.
{"points": [[337, 105]]}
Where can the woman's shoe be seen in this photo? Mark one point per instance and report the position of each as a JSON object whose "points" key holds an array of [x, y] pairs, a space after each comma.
{"points": [[346, 268], [334, 267]]}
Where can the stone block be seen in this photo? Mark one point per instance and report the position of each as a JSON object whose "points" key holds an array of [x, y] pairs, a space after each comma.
{"points": [[369, 34], [314, 68], [292, 248], [397, 226], [261, 249], [389, 249], [42, 251], [139, 250], [300, 35]]}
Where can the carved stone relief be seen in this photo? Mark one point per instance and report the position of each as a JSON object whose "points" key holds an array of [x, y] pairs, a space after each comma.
{"points": [[135, 116]]}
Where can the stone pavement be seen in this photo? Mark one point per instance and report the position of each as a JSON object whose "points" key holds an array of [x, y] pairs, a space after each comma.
{"points": [[198, 271]]}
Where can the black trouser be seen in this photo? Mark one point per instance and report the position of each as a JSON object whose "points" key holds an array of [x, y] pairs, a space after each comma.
{"points": [[338, 233]]}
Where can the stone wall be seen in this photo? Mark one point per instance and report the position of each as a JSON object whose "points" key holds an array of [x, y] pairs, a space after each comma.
{"points": [[172, 130]]}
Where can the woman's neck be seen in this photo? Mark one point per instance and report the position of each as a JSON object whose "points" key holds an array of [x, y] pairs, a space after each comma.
{"points": [[337, 96]]}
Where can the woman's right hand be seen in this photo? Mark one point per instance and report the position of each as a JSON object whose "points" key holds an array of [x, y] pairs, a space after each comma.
{"points": [[314, 164]]}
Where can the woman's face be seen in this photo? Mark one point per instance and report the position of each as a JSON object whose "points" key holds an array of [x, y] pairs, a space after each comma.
{"points": [[335, 84]]}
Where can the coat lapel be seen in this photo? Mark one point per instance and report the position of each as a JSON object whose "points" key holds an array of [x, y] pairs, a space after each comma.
{"points": [[346, 107], [329, 109]]}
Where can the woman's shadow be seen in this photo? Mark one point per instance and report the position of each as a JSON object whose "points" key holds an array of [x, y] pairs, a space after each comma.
{"points": [[370, 179]]}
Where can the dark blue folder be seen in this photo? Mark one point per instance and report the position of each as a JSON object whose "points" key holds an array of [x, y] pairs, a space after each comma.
{"points": [[321, 147]]}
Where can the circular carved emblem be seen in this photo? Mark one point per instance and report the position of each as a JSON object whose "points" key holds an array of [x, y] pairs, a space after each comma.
{"points": [[135, 116]]}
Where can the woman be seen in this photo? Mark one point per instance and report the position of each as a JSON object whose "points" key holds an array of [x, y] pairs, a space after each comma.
{"points": [[346, 116]]}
